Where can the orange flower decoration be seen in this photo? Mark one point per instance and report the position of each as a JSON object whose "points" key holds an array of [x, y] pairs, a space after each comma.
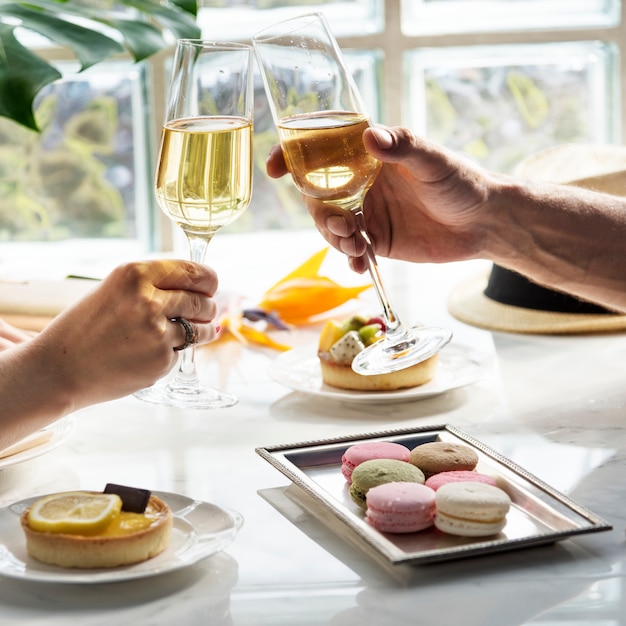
{"points": [[297, 299], [303, 294]]}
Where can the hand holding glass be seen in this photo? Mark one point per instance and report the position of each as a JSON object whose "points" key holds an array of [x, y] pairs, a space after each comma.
{"points": [[204, 172], [320, 121]]}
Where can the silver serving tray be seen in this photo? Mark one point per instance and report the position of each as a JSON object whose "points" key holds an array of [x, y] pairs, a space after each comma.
{"points": [[539, 514]]}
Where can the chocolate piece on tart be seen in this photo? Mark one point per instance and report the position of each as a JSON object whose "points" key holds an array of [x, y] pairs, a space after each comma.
{"points": [[134, 500]]}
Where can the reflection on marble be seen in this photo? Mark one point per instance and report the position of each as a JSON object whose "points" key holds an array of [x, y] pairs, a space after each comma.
{"points": [[196, 595], [489, 586], [554, 405]]}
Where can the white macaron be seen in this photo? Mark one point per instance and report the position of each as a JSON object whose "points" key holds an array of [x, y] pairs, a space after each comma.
{"points": [[471, 509]]}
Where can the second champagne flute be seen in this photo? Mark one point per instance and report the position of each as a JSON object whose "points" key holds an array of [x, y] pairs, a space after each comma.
{"points": [[320, 120], [204, 173]]}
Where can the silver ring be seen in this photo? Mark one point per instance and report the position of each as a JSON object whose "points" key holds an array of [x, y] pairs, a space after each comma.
{"points": [[191, 334]]}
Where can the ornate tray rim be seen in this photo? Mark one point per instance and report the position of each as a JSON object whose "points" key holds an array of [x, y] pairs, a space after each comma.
{"points": [[531, 488]]}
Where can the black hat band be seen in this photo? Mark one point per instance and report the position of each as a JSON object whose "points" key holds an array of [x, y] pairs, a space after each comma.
{"points": [[508, 287]]}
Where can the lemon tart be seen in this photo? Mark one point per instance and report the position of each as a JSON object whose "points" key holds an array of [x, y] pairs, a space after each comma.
{"points": [[84, 529]]}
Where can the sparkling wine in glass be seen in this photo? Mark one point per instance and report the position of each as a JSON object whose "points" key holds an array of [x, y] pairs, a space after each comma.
{"points": [[204, 174], [320, 120]]}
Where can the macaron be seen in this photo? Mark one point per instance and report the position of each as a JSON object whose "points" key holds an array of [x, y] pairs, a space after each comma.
{"points": [[360, 452], [471, 509], [378, 472], [443, 456], [400, 507], [458, 476]]}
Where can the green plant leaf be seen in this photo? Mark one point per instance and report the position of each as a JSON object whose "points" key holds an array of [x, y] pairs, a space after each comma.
{"points": [[80, 27], [190, 6], [142, 39], [177, 21], [89, 46], [22, 75]]}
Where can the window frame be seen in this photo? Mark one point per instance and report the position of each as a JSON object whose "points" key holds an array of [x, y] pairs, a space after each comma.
{"points": [[393, 43]]}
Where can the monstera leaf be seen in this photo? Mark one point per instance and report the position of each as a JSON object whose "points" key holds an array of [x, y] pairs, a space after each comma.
{"points": [[93, 29]]}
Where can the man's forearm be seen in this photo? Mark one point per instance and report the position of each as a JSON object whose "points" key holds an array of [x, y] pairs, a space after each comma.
{"points": [[565, 238]]}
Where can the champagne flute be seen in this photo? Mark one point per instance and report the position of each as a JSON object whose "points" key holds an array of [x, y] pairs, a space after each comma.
{"points": [[204, 173], [320, 120]]}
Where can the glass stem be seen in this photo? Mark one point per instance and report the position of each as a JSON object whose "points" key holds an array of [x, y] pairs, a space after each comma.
{"points": [[395, 329], [187, 375]]}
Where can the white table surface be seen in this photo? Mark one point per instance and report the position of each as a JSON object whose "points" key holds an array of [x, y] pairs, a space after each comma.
{"points": [[554, 405]]}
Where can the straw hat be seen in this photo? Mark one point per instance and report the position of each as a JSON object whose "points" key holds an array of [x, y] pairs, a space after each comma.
{"points": [[507, 301]]}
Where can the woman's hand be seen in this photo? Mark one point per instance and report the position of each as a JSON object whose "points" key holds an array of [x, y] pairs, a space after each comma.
{"points": [[119, 338]]}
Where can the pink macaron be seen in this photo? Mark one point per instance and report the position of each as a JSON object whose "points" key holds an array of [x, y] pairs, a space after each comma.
{"points": [[400, 507], [360, 452], [458, 476]]}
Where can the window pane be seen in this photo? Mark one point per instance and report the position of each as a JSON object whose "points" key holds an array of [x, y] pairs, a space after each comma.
{"points": [[240, 19], [86, 175], [421, 17], [497, 104]]}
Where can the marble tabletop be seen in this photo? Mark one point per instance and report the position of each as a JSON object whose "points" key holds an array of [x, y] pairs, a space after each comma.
{"points": [[554, 405]]}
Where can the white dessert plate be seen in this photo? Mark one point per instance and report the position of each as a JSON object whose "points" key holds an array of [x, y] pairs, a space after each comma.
{"points": [[200, 530], [50, 437], [459, 365]]}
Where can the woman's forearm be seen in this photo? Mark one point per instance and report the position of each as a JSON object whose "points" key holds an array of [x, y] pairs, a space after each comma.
{"points": [[117, 339], [32, 395]]}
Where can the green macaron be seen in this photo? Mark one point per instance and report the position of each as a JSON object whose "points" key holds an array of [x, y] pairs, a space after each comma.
{"points": [[378, 472]]}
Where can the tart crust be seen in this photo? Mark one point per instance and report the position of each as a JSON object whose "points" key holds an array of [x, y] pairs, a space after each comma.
{"points": [[344, 377], [103, 550]]}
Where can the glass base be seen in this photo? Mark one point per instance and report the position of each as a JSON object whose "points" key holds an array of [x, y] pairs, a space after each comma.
{"points": [[415, 346], [186, 397]]}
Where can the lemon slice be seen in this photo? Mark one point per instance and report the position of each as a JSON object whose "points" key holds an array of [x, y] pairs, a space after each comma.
{"points": [[74, 512]]}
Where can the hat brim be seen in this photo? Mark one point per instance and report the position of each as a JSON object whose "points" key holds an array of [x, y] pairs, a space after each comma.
{"points": [[468, 303]]}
